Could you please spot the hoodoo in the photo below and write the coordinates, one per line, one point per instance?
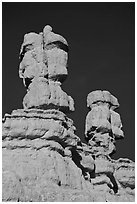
(43, 159)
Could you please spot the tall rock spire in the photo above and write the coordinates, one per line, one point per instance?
(43, 67)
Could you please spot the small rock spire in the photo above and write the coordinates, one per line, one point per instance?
(103, 124)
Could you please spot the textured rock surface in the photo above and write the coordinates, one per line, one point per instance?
(103, 127)
(44, 94)
(43, 67)
(103, 124)
(34, 124)
(102, 143)
(95, 97)
(43, 159)
(51, 169)
(125, 173)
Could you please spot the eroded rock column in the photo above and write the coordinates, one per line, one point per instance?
(112, 178)
(43, 67)
(103, 124)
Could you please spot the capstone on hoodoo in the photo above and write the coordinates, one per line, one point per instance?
(43, 158)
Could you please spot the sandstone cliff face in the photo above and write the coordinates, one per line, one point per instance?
(43, 158)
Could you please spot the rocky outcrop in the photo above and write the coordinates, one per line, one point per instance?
(43, 158)
(40, 124)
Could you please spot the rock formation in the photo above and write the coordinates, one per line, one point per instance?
(43, 68)
(43, 158)
(103, 128)
(103, 124)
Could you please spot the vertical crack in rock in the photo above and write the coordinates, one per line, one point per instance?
(43, 158)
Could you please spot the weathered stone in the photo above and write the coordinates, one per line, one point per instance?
(32, 63)
(116, 125)
(28, 170)
(57, 63)
(88, 162)
(101, 180)
(102, 143)
(23, 126)
(43, 68)
(103, 125)
(50, 37)
(43, 159)
(125, 173)
(44, 94)
(98, 96)
(97, 120)
(103, 164)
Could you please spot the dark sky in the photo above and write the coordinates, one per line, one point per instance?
(101, 56)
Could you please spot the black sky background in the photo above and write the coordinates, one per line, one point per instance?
(101, 56)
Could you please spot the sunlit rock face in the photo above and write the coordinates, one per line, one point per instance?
(43, 67)
(43, 158)
(103, 126)
(102, 118)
